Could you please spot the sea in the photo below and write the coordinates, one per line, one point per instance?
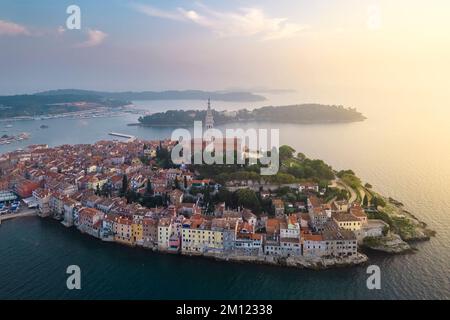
(402, 149)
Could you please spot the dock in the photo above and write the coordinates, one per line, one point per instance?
(129, 137)
(26, 213)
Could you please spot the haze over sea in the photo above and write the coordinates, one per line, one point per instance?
(402, 149)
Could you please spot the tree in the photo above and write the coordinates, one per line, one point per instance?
(124, 189)
(106, 190)
(301, 156)
(374, 202)
(97, 190)
(286, 152)
(149, 188)
(185, 182)
(177, 183)
(365, 201)
(248, 199)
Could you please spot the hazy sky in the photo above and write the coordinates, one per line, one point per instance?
(321, 47)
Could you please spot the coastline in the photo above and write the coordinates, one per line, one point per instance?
(185, 125)
(298, 262)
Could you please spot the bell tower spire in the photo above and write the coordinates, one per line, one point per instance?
(209, 120)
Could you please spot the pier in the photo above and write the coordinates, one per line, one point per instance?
(25, 213)
(129, 137)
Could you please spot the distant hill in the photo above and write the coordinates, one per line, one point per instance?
(36, 105)
(296, 114)
(163, 95)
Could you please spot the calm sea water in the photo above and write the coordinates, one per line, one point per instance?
(405, 155)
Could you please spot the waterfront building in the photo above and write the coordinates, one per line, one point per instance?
(137, 230)
(339, 242)
(150, 232)
(90, 221)
(272, 237)
(42, 198)
(198, 236)
(228, 229)
(247, 242)
(107, 228)
(164, 232)
(290, 247)
(56, 204)
(314, 245)
(123, 232)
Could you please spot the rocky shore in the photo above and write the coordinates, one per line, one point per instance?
(313, 263)
(405, 229)
(392, 243)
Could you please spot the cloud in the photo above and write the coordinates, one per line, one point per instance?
(60, 30)
(245, 22)
(155, 12)
(95, 38)
(12, 29)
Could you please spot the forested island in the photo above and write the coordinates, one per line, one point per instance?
(296, 114)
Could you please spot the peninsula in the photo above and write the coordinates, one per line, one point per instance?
(307, 216)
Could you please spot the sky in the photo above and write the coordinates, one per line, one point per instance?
(322, 49)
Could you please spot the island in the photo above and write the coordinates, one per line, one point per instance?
(294, 114)
(129, 192)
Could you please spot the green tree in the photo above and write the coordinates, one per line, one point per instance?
(149, 188)
(248, 199)
(124, 189)
(365, 201)
(286, 152)
(374, 202)
(301, 156)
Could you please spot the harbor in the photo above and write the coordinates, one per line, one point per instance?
(8, 139)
